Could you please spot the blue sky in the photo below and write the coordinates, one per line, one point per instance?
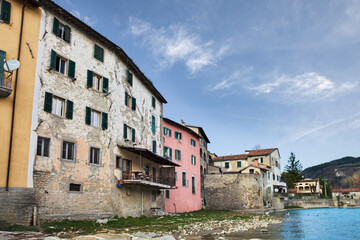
(271, 73)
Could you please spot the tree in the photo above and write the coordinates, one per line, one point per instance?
(292, 172)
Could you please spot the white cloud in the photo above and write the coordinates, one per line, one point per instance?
(235, 78)
(177, 44)
(91, 21)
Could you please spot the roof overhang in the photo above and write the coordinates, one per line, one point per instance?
(148, 183)
(149, 155)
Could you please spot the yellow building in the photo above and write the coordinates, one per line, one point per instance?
(19, 29)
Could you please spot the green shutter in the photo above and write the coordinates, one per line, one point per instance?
(69, 109)
(105, 85)
(2, 61)
(169, 132)
(48, 102)
(53, 59)
(99, 53)
(130, 77)
(170, 151)
(5, 11)
(126, 99)
(71, 71)
(56, 26)
(153, 101)
(154, 147)
(89, 82)
(67, 33)
(133, 135)
(104, 123)
(133, 104)
(88, 116)
(125, 131)
(239, 164)
(153, 124)
(226, 165)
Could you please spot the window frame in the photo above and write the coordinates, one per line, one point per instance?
(177, 133)
(75, 183)
(92, 120)
(238, 163)
(55, 101)
(167, 132)
(62, 149)
(118, 157)
(43, 146)
(90, 156)
(167, 194)
(192, 142)
(178, 153)
(193, 183)
(183, 178)
(193, 160)
(169, 150)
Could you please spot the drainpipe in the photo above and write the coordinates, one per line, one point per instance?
(14, 99)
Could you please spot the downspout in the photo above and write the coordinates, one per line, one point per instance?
(14, 99)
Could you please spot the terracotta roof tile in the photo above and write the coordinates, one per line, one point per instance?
(260, 152)
(231, 157)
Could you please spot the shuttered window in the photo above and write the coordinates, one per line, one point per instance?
(2, 61)
(133, 104)
(99, 53)
(58, 106)
(105, 85)
(227, 165)
(104, 121)
(153, 124)
(48, 102)
(125, 131)
(88, 115)
(239, 164)
(154, 147)
(129, 77)
(133, 135)
(153, 102)
(5, 11)
(69, 109)
(61, 30)
(71, 71)
(60, 64)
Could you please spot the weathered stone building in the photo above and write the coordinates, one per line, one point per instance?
(99, 132)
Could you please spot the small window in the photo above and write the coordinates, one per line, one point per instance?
(95, 118)
(130, 101)
(167, 131)
(153, 102)
(129, 133)
(178, 135)
(94, 155)
(193, 184)
(99, 53)
(261, 160)
(184, 179)
(193, 160)
(129, 77)
(58, 106)
(43, 147)
(274, 177)
(61, 64)
(193, 143)
(239, 164)
(153, 193)
(153, 126)
(227, 165)
(168, 153)
(74, 187)
(167, 194)
(5, 11)
(251, 171)
(177, 154)
(154, 146)
(68, 151)
(61, 30)
(97, 82)
(118, 162)
(268, 175)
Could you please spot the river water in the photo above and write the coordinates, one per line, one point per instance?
(325, 223)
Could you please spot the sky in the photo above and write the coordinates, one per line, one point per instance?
(275, 74)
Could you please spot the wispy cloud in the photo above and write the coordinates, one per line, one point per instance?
(177, 44)
(235, 78)
(349, 24)
(91, 21)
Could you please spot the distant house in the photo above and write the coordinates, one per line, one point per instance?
(308, 186)
(346, 192)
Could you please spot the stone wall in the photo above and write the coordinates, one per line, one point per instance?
(16, 206)
(314, 203)
(233, 191)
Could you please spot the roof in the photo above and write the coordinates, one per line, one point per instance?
(260, 152)
(230, 157)
(202, 132)
(150, 155)
(181, 126)
(53, 7)
(264, 169)
(309, 180)
(346, 190)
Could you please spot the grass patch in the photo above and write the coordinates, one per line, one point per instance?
(85, 226)
(19, 228)
(292, 207)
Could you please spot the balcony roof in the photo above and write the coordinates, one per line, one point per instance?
(148, 183)
(149, 155)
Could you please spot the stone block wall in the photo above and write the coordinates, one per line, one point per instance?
(16, 206)
(233, 191)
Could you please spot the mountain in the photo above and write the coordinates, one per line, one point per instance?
(341, 173)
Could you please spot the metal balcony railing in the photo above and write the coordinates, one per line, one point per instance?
(140, 175)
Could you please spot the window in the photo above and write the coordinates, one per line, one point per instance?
(184, 179)
(61, 30)
(62, 65)
(193, 184)
(154, 146)
(74, 187)
(227, 165)
(178, 135)
(43, 147)
(56, 105)
(167, 131)
(5, 11)
(129, 77)
(68, 151)
(251, 171)
(153, 194)
(168, 153)
(127, 131)
(130, 101)
(238, 164)
(97, 82)
(118, 162)
(261, 160)
(94, 117)
(2, 61)
(153, 102)
(167, 194)
(153, 123)
(99, 53)
(268, 175)
(193, 143)
(94, 155)
(193, 160)
(177, 154)
(273, 176)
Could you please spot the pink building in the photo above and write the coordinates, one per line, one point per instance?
(182, 145)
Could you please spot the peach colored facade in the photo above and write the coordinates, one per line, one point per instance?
(187, 196)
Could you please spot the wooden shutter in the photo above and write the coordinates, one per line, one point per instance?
(170, 153)
(125, 131)
(71, 71)
(169, 132)
(67, 33)
(89, 82)
(2, 61)
(133, 135)
(88, 116)
(5, 11)
(133, 104)
(99, 53)
(48, 102)
(104, 123)
(53, 59)
(69, 109)
(130, 77)
(126, 99)
(56, 26)
(153, 124)
(154, 147)
(105, 85)
(153, 102)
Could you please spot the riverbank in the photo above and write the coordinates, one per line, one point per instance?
(179, 226)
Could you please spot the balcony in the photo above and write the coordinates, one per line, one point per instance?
(5, 84)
